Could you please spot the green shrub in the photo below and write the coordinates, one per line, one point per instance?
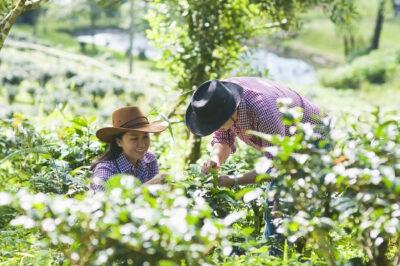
(347, 182)
(61, 86)
(56, 161)
(129, 224)
(377, 68)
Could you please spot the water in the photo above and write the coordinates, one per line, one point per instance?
(281, 69)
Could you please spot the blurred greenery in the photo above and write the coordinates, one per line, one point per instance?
(339, 195)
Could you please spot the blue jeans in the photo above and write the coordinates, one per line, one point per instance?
(269, 226)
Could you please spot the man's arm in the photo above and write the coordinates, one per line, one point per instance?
(223, 144)
(220, 153)
(247, 178)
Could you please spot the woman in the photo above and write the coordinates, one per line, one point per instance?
(127, 152)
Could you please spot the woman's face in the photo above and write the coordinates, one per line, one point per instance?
(134, 145)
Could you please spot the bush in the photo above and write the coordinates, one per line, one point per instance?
(377, 68)
(60, 86)
(129, 223)
(346, 181)
(54, 162)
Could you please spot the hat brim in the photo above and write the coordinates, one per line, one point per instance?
(107, 134)
(204, 129)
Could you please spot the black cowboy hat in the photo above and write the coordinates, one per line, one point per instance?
(212, 104)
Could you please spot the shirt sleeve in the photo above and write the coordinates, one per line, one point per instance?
(102, 172)
(152, 166)
(225, 137)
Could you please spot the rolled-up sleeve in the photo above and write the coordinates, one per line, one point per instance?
(225, 137)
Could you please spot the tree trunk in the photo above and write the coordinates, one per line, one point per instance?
(346, 46)
(378, 26)
(195, 151)
(9, 20)
(349, 44)
(397, 256)
(381, 259)
(92, 15)
(131, 28)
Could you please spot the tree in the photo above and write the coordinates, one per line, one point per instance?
(378, 26)
(203, 40)
(131, 32)
(9, 12)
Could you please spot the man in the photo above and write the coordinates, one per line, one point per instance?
(229, 108)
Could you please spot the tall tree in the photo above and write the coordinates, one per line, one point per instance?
(131, 32)
(202, 40)
(9, 12)
(378, 26)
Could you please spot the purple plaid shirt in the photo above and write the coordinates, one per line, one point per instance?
(146, 169)
(258, 111)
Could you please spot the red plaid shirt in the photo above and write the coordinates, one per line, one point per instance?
(258, 111)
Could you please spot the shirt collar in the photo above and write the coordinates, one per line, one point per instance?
(126, 166)
(241, 113)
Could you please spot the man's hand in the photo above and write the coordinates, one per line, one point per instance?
(207, 166)
(226, 181)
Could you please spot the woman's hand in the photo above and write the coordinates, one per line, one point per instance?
(158, 179)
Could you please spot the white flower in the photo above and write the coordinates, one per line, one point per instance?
(23, 220)
(301, 158)
(177, 222)
(252, 195)
(263, 165)
(233, 217)
(5, 198)
(272, 150)
(48, 225)
(330, 178)
(209, 230)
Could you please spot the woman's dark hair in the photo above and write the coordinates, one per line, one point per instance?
(112, 152)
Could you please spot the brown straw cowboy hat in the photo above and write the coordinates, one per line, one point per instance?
(129, 119)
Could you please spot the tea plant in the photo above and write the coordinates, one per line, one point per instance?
(129, 224)
(344, 182)
(44, 161)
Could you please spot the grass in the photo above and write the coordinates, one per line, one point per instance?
(320, 36)
(52, 35)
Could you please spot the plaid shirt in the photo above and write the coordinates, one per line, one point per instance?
(146, 169)
(258, 111)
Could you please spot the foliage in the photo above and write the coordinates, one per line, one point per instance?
(25, 80)
(46, 162)
(349, 177)
(338, 192)
(10, 10)
(204, 40)
(128, 223)
(338, 195)
(377, 68)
